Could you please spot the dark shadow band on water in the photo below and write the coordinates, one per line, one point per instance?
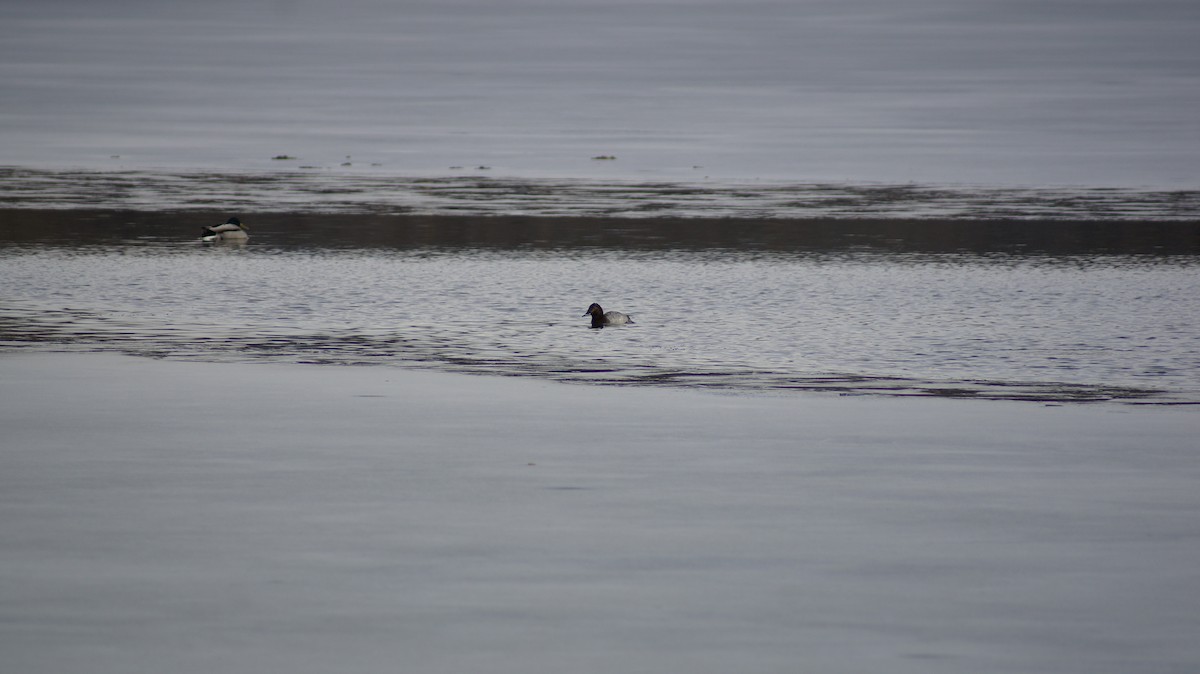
(1022, 237)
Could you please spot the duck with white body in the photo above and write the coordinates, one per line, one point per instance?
(231, 230)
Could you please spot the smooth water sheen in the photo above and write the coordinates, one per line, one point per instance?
(926, 91)
(861, 320)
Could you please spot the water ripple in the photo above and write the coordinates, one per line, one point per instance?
(330, 191)
(1040, 329)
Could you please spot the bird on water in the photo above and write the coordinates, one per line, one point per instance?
(231, 230)
(601, 318)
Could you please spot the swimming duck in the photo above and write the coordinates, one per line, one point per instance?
(600, 318)
(232, 230)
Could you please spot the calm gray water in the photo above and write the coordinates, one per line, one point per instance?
(899, 308)
(991, 92)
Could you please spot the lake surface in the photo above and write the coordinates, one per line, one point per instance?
(840, 216)
(1049, 311)
(975, 199)
(926, 91)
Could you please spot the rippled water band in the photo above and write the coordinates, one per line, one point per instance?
(72, 330)
(338, 190)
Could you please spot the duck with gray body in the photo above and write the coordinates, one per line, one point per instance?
(231, 230)
(601, 318)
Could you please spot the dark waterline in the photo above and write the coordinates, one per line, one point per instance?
(1042, 238)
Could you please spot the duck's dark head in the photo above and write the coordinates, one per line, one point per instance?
(234, 221)
(597, 315)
